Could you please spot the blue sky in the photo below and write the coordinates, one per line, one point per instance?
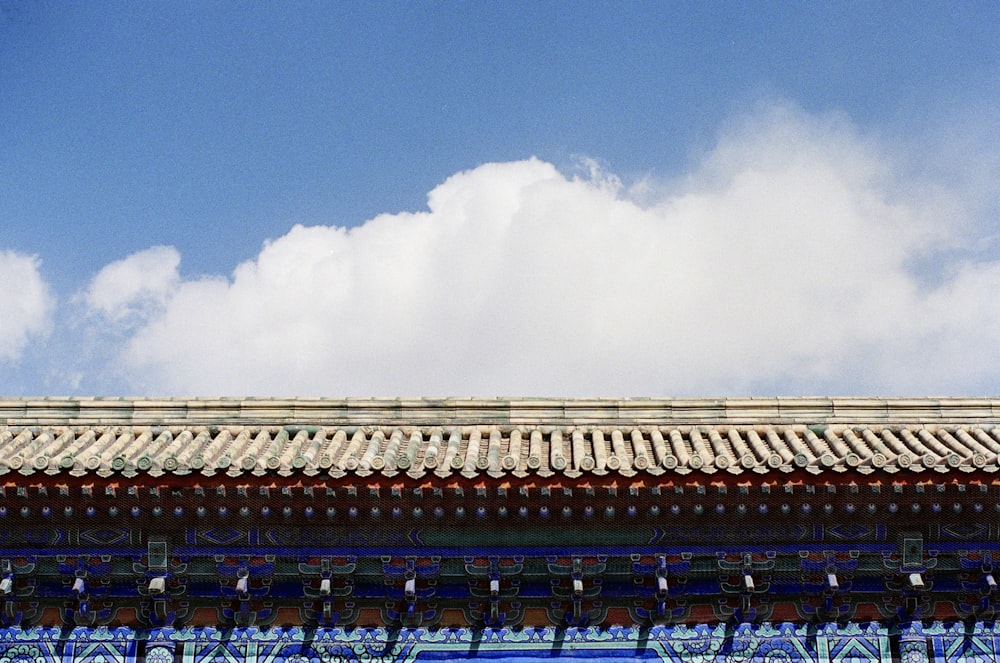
(156, 157)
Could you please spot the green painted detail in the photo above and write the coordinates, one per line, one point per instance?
(157, 554)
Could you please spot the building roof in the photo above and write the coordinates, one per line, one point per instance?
(497, 438)
(486, 512)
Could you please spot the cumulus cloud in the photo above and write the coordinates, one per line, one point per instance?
(26, 303)
(782, 263)
(135, 287)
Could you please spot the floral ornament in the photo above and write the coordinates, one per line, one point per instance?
(159, 655)
(297, 658)
(372, 653)
(775, 650)
(913, 652)
(305, 658)
(22, 654)
(701, 647)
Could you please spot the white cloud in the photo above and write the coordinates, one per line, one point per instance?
(135, 287)
(781, 263)
(25, 303)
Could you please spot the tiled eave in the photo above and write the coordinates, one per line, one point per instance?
(547, 453)
(497, 439)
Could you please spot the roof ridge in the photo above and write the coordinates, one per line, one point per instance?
(511, 411)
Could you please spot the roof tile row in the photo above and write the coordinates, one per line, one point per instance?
(495, 450)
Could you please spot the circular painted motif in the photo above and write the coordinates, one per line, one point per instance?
(159, 655)
(22, 653)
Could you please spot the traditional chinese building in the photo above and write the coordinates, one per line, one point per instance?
(664, 529)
